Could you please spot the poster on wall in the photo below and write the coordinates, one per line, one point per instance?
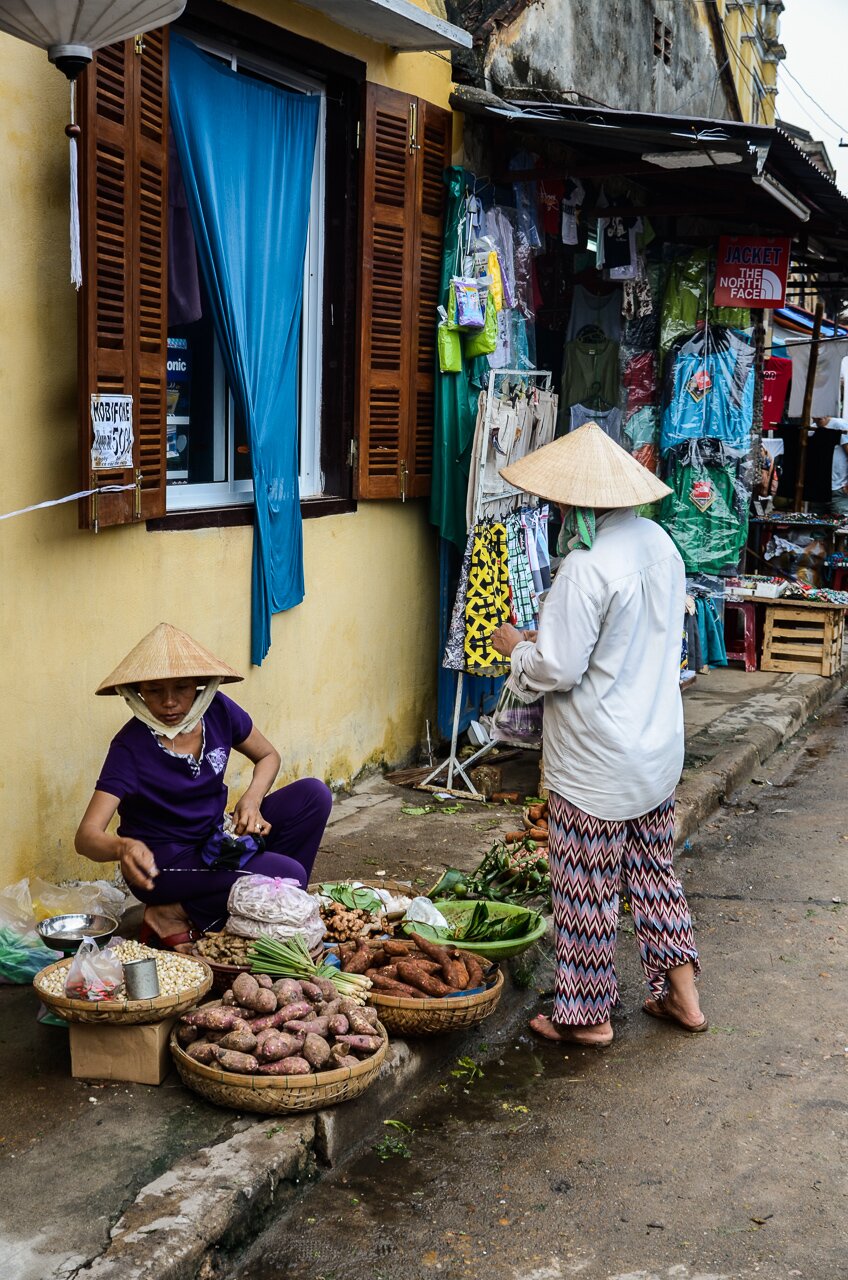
(112, 432)
(751, 271)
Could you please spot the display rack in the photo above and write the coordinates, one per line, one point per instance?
(452, 767)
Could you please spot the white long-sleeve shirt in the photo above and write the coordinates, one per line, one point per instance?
(607, 658)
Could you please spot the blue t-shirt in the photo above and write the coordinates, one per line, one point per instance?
(709, 392)
(173, 802)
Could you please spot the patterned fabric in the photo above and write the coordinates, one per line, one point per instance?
(578, 530)
(487, 601)
(525, 603)
(591, 860)
(453, 658)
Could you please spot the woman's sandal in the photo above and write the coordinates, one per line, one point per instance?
(569, 1039)
(148, 937)
(654, 1009)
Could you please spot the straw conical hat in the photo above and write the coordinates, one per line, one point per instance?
(586, 469)
(167, 653)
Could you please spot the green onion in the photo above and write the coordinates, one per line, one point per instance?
(291, 959)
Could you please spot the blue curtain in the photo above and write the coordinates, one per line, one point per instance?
(246, 149)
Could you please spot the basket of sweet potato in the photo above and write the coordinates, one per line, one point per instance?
(423, 988)
(277, 1047)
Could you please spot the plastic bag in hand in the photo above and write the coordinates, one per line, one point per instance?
(94, 974)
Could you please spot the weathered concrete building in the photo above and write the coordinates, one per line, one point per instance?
(707, 58)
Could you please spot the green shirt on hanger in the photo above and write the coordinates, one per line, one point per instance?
(590, 373)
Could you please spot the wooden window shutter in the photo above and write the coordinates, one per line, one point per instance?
(123, 300)
(434, 138)
(406, 147)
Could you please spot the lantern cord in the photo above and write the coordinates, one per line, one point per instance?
(76, 253)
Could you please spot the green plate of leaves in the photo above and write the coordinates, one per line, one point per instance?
(495, 930)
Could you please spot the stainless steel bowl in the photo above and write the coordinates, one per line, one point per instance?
(65, 933)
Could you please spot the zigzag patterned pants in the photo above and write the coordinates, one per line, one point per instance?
(590, 861)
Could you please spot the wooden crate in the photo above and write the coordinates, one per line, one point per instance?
(804, 638)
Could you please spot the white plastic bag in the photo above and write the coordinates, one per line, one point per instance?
(277, 908)
(422, 911)
(94, 974)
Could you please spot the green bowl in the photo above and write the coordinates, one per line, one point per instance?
(454, 911)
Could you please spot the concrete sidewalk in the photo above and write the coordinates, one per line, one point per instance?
(114, 1180)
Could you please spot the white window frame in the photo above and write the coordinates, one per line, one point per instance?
(182, 496)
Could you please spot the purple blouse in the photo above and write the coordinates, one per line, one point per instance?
(167, 800)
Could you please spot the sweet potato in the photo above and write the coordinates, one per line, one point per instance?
(338, 1025)
(328, 988)
(217, 1019)
(316, 1051)
(228, 998)
(514, 837)
(378, 958)
(188, 1035)
(358, 1025)
(538, 833)
(294, 1066)
(299, 1009)
(361, 1044)
(203, 1052)
(329, 1008)
(312, 992)
(229, 1060)
(348, 1061)
(426, 982)
(265, 1001)
(535, 812)
(318, 1026)
(359, 961)
(271, 1021)
(367, 1012)
(265, 980)
(288, 991)
(241, 1041)
(245, 988)
(280, 1044)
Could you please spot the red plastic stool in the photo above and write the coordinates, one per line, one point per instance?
(839, 578)
(733, 609)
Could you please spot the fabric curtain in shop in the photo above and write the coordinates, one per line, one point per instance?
(456, 397)
(828, 372)
(246, 149)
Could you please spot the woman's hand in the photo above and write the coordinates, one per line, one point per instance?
(505, 638)
(247, 820)
(137, 863)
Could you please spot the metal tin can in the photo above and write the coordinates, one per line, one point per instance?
(141, 979)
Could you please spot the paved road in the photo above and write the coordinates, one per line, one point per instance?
(714, 1157)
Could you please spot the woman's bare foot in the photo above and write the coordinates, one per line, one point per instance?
(167, 919)
(596, 1037)
(680, 1003)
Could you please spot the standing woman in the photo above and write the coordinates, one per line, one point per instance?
(164, 776)
(607, 659)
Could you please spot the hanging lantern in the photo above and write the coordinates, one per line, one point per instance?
(71, 31)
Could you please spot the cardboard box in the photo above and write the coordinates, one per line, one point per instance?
(137, 1054)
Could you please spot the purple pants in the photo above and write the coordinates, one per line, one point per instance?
(298, 815)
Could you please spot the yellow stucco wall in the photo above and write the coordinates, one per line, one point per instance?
(351, 673)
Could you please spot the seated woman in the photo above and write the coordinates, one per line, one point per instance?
(164, 775)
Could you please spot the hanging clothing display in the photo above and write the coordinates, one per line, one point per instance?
(610, 420)
(595, 310)
(709, 392)
(453, 658)
(525, 601)
(590, 373)
(535, 521)
(487, 599)
(574, 193)
(687, 301)
(707, 513)
(777, 374)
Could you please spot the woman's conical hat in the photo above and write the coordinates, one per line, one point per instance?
(586, 469)
(167, 653)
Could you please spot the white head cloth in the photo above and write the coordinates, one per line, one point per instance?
(142, 712)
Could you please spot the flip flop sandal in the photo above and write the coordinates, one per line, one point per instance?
(570, 1040)
(654, 1009)
(149, 938)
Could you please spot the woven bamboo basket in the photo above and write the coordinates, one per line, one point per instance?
(276, 1095)
(433, 1017)
(121, 1013)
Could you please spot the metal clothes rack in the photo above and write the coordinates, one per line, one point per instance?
(452, 766)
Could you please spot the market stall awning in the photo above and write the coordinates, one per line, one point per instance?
(397, 23)
(676, 155)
